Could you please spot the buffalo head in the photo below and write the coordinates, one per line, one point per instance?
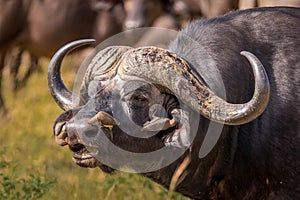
(141, 100)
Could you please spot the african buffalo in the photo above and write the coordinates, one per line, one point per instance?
(246, 4)
(145, 13)
(239, 72)
(213, 8)
(205, 8)
(41, 27)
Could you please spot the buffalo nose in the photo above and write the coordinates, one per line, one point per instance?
(77, 129)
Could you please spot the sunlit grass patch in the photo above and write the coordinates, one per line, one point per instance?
(17, 183)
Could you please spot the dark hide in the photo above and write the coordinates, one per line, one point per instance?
(257, 160)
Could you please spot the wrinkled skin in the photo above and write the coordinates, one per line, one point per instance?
(132, 103)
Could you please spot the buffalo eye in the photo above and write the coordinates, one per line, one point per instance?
(139, 100)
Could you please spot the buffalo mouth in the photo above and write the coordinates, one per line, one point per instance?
(82, 154)
(83, 157)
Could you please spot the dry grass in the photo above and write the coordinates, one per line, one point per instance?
(26, 138)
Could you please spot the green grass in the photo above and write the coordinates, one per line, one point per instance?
(40, 169)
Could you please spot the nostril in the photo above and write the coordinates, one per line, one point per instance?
(57, 129)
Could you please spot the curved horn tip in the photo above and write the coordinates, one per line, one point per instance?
(60, 93)
(261, 94)
(245, 53)
(248, 55)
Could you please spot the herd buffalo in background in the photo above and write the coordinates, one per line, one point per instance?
(41, 27)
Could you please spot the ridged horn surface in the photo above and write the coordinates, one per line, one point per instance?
(165, 68)
(101, 68)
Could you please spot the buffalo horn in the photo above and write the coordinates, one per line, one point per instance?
(63, 97)
(165, 68)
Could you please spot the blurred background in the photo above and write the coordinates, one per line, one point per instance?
(32, 166)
